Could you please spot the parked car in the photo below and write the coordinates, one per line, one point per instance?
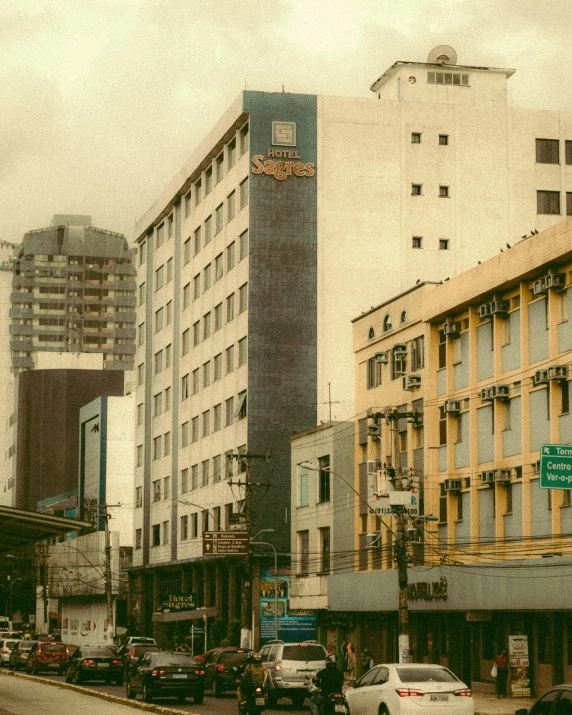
(6, 645)
(136, 640)
(407, 689)
(291, 667)
(95, 662)
(19, 654)
(131, 657)
(47, 656)
(556, 701)
(222, 667)
(167, 674)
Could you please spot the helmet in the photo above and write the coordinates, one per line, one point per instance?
(257, 658)
(332, 658)
(250, 656)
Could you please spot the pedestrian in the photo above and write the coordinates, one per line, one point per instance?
(501, 665)
(366, 659)
(349, 667)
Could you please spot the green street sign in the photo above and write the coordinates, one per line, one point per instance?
(556, 466)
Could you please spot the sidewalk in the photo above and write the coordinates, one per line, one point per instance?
(489, 704)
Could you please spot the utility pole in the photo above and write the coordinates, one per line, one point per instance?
(106, 516)
(246, 601)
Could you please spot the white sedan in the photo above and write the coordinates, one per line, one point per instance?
(409, 689)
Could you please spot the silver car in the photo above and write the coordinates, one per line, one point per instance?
(6, 646)
(291, 667)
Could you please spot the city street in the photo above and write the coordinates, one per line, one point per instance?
(21, 696)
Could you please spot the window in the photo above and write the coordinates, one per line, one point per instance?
(230, 308)
(206, 325)
(324, 479)
(159, 320)
(167, 399)
(207, 374)
(159, 278)
(218, 267)
(303, 488)
(442, 426)
(459, 507)
(417, 353)
(138, 497)
(197, 246)
(157, 404)
(416, 138)
(303, 552)
(219, 219)
(160, 235)
(138, 538)
(548, 202)
(454, 78)
(195, 429)
(187, 251)
(186, 342)
(219, 167)
(168, 355)
(140, 373)
(218, 317)
(140, 413)
(194, 526)
(398, 364)
(195, 476)
(324, 549)
(169, 270)
(231, 153)
(139, 455)
(141, 294)
(442, 350)
(169, 313)
(229, 404)
(243, 189)
(231, 206)
(156, 535)
(243, 298)
(217, 469)
(140, 333)
(403, 317)
(196, 381)
(443, 244)
(564, 397)
(184, 535)
(156, 490)
(206, 521)
(443, 192)
(240, 413)
(416, 189)
(185, 387)
(218, 366)
(170, 226)
(166, 487)
(207, 277)
(244, 140)
(387, 324)
(167, 444)
(187, 204)
(442, 504)
(242, 352)
(208, 180)
(217, 417)
(547, 151)
(443, 139)
(208, 229)
(185, 434)
(229, 359)
(373, 373)
(416, 242)
(230, 256)
(184, 481)
(165, 532)
(196, 333)
(142, 252)
(568, 203)
(206, 423)
(243, 245)
(205, 473)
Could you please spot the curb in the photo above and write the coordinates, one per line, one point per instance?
(148, 707)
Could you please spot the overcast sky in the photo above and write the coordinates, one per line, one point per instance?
(102, 101)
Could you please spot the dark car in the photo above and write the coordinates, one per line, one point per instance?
(556, 701)
(47, 656)
(19, 654)
(131, 656)
(222, 668)
(167, 674)
(95, 662)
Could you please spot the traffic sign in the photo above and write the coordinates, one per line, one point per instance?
(226, 542)
(556, 466)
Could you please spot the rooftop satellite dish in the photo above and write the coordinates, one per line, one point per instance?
(442, 55)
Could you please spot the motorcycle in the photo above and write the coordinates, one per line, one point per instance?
(333, 704)
(255, 701)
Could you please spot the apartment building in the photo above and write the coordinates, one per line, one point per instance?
(255, 258)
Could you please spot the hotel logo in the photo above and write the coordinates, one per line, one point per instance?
(283, 133)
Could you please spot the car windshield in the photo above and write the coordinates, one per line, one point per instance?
(233, 657)
(26, 645)
(102, 652)
(172, 659)
(8, 644)
(142, 641)
(426, 675)
(303, 652)
(53, 648)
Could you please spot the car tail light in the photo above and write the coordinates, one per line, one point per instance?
(409, 693)
(89, 661)
(117, 662)
(278, 666)
(220, 667)
(200, 672)
(258, 690)
(465, 692)
(4, 650)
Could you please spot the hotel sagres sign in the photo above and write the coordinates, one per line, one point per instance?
(289, 163)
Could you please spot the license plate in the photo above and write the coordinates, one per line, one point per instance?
(103, 665)
(259, 701)
(440, 698)
(180, 675)
(339, 708)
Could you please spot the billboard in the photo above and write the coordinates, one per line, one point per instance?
(293, 626)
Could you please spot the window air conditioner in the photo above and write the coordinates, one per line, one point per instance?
(558, 372)
(539, 287)
(500, 307)
(555, 281)
(485, 310)
(410, 382)
(453, 329)
(487, 477)
(452, 485)
(500, 392)
(502, 475)
(540, 377)
(452, 407)
(400, 348)
(373, 466)
(373, 540)
(486, 394)
(381, 358)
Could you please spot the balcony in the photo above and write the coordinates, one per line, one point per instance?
(21, 329)
(126, 318)
(16, 313)
(125, 333)
(127, 300)
(125, 269)
(19, 296)
(122, 365)
(124, 349)
(17, 345)
(23, 363)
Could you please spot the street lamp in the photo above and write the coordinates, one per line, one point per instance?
(267, 543)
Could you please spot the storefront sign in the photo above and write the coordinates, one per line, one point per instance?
(293, 626)
(176, 602)
(293, 166)
(427, 591)
(519, 666)
(479, 616)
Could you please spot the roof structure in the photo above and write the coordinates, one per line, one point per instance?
(19, 527)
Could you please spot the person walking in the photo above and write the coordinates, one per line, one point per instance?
(349, 665)
(366, 660)
(501, 664)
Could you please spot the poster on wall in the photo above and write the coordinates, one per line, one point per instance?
(519, 666)
(292, 626)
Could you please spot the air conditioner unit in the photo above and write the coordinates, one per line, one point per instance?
(486, 394)
(487, 477)
(540, 377)
(536, 467)
(374, 430)
(373, 466)
(500, 307)
(502, 475)
(373, 540)
(500, 392)
(416, 420)
(410, 382)
(453, 329)
(413, 535)
(400, 348)
(452, 485)
(381, 358)
(452, 407)
(539, 287)
(485, 310)
(558, 372)
(555, 281)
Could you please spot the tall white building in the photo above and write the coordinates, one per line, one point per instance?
(295, 213)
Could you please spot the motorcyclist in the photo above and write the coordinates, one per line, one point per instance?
(329, 680)
(255, 671)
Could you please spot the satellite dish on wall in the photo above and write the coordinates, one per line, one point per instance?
(442, 55)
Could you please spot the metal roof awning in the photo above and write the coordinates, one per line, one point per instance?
(19, 527)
